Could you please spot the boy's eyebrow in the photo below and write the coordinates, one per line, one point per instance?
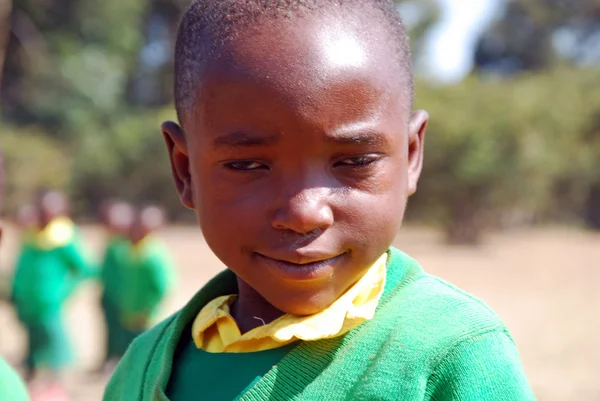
(366, 137)
(243, 139)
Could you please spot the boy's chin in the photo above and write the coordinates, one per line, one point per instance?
(304, 304)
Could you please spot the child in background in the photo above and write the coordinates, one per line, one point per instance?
(298, 147)
(50, 267)
(27, 220)
(117, 218)
(11, 386)
(147, 275)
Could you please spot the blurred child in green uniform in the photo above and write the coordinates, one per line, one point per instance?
(26, 220)
(147, 275)
(117, 218)
(11, 386)
(49, 268)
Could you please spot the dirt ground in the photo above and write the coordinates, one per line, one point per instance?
(543, 283)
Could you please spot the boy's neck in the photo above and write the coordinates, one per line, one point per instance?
(251, 310)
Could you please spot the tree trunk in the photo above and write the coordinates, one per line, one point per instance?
(593, 207)
(5, 13)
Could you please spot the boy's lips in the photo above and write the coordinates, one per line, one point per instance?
(306, 267)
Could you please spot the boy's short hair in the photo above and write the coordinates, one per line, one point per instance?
(208, 25)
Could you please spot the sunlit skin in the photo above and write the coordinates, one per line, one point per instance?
(117, 218)
(298, 160)
(52, 205)
(145, 222)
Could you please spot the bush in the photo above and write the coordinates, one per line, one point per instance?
(496, 147)
(32, 161)
(127, 160)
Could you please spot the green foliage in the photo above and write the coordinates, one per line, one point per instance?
(533, 34)
(498, 146)
(127, 160)
(32, 161)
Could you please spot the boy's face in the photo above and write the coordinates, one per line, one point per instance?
(299, 157)
(119, 218)
(137, 231)
(51, 206)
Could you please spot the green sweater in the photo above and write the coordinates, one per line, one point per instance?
(115, 257)
(146, 277)
(44, 279)
(196, 371)
(427, 341)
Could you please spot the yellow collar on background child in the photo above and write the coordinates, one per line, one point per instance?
(59, 232)
(215, 330)
(142, 245)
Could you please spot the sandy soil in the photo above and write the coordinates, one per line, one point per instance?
(543, 283)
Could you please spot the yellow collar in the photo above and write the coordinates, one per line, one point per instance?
(139, 249)
(59, 232)
(215, 330)
(141, 244)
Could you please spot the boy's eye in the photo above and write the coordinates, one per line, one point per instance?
(246, 165)
(357, 161)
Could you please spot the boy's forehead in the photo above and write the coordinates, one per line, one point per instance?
(310, 55)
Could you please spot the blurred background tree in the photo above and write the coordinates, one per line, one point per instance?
(538, 35)
(85, 85)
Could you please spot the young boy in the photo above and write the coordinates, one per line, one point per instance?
(117, 218)
(11, 386)
(146, 275)
(50, 267)
(297, 150)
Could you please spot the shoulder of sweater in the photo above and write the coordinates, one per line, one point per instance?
(438, 316)
(140, 366)
(441, 289)
(432, 296)
(146, 343)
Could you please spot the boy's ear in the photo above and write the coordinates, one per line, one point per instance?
(180, 162)
(416, 137)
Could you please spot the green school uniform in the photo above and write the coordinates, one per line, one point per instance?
(199, 372)
(115, 257)
(45, 276)
(146, 277)
(427, 341)
(11, 386)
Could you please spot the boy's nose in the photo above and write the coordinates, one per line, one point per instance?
(304, 212)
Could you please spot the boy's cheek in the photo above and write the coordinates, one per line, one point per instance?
(373, 221)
